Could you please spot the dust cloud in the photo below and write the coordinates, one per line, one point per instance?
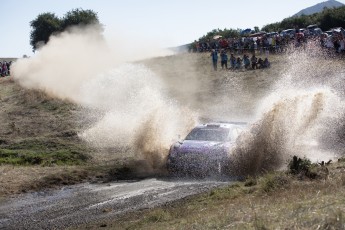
(125, 104)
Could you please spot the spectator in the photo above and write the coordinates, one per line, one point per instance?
(224, 59)
(233, 61)
(342, 45)
(246, 61)
(260, 63)
(238, 63)
(9, 67)
(214, 56)
(266, 63)
(329, 43)
(4, 69)
(254, 61)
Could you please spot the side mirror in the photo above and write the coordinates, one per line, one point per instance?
(179, 139)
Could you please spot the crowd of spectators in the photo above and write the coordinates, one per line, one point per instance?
(274, 42)
(238, 63)
(335, 41)
(5, 68)
(244, 44)
(266, 43)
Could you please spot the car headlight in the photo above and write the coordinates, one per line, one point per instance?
(174, 149)
(221, 152)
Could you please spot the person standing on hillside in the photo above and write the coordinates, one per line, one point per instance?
(246, 61)
(4, 69)
(9, 67)
(232, 61)
(214, 55)
(224, 59)
(254, 61)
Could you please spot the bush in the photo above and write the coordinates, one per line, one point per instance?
(304, 168)
(298, 165)
(271, 182)
(250, 181)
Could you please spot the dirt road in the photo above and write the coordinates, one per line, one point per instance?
(86, 203)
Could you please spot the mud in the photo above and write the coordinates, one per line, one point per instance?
(89, 203)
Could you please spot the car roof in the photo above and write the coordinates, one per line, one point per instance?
(311, 26)
(221, 124)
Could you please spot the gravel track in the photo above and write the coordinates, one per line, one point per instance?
(87, 203)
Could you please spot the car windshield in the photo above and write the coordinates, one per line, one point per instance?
(205, 134)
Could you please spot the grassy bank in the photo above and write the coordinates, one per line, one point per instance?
(279, 200)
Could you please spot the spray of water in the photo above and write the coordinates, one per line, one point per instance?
(302, 116)
(135, 113)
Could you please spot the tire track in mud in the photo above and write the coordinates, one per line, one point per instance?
(87, 203)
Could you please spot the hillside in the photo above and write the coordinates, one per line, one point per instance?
(319, 7)
(35, 124)
(39, 142)
(38, 139)
(40, 147)
(40, 133)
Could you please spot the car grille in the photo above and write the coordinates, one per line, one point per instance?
(197, 159)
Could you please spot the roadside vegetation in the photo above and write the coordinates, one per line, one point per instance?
(47, 24)
(288, 199)
(327, 19)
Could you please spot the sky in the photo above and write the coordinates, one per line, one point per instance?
(167, 23)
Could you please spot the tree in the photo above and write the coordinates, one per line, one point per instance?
(79, 17)
(43, 26)
(47, 24)
(328, 18)
(273, 27)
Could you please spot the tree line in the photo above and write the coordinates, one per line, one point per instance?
(47, 24)
(328, 18)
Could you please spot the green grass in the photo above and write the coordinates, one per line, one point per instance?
(274, 181)
(43, 152)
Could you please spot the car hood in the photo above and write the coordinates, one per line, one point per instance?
(202, 146)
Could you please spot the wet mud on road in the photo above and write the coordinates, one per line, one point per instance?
(87, 203)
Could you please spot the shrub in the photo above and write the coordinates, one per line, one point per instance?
(298, 165)
(271, 182)
(250, 181)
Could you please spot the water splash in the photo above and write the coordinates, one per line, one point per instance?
(134, 114)
(303, 116)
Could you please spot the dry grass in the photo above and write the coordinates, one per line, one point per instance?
(14, 179)
(289, 203)
(21, 179)
(36, 131)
